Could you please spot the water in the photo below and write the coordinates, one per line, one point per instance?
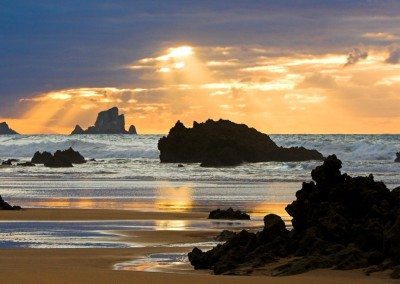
(127, 173)
(107, 234)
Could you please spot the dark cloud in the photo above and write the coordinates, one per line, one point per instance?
(356, 55)
(394, 56)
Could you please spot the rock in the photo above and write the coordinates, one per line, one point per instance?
(397, 160)
(58, 162)
(224, 143)
(6, 130)
(77, 130)
(132, 130)
(338, 221)
(107, 122)
(6, 163)
(73, 156)
(41, 158)
(60, 159)
(180, 166)
(229, 214)
(225, 235)
(5, 206)
(26, 164)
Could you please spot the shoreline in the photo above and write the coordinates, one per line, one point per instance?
(95, 265)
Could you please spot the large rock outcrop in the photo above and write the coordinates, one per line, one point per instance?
(224, 143)
(6, 130)
(107, 122)
(339, 222)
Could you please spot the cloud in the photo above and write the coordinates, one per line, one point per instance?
(380, 36)
(394, 56)
(355, 55)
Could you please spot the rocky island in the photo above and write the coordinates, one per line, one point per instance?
(6, 130)
(107, 122)
(225, 143)
(339, 222)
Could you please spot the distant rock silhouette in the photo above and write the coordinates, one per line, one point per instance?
(224, 143)
(5, 129)
(339, 222)
(107, 122)
(60, 159)
(397, 160)
(5, 206)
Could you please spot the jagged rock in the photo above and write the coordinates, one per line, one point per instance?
(6, 130)
(229, 214)
(224, 143)
(41, 158)
(5, 206)
(338, 221)
(26, 164)
(73, 156)
(397, 160)
(60, 158)
(77, 130)
(107, 122)
(225, 235)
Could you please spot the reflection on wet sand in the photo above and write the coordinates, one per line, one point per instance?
(177, 199)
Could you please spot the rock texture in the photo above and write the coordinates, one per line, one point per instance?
(339, 222)
(5, 129)
(107, 122)
(60, 159)
(397, 160)
(224, 143)
(229, 214)
(5, 206)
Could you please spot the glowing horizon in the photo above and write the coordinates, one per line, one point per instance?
(301, 93)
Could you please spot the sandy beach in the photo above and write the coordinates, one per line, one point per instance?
(96, 265)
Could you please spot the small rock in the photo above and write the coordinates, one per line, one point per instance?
(229, 214)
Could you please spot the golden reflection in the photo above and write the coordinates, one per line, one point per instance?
(175, 199)
(171, 225)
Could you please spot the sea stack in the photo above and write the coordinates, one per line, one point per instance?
(225, 143)
(107, 122)
(6, 130)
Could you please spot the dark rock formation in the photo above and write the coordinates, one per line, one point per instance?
(225, 235)
(339, 222)
(5, 206)
(229, 214)
(26, 164)
(397, 160)
(5, 129)
(41, 158)
(58, 162)
(224, 143)
(132, 130)
(107, 122)
(60, 158)
(73, 156)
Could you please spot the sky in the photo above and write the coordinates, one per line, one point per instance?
(278, 66)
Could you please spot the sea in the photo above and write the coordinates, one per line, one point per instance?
(126, 174)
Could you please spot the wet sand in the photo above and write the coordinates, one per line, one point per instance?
(95, 265)
(45, 214)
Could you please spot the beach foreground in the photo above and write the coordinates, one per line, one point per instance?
(95, 265)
